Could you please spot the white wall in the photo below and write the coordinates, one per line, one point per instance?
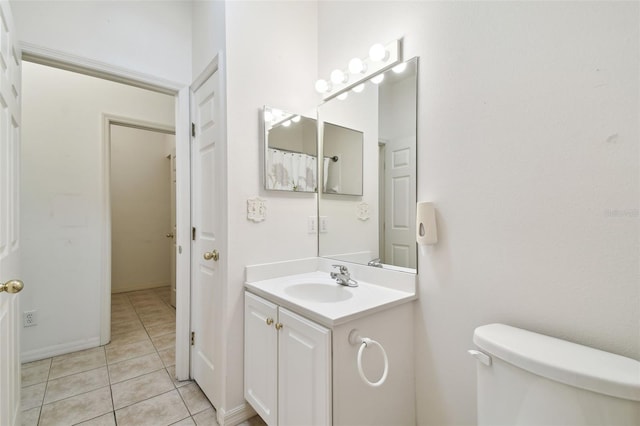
(271, 60)
(528, 145)
(208, 32)
(140, 209)
(62, 195)
(150, 37)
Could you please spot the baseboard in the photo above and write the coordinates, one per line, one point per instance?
(139, 287)
(235, 416)
(55, 350)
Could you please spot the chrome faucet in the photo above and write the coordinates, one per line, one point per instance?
(343, 277)
(375, 262)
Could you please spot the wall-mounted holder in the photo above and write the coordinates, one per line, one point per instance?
(256, 209)
(363, 211)
(426, 229)
(365, 342)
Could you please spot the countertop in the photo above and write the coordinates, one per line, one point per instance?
(349, 302)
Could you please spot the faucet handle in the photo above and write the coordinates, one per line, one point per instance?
(343, 269)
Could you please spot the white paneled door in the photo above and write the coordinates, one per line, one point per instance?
(206, 286)
(400, 210)
(10, 74)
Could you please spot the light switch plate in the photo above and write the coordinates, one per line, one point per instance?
(312, 225)
(324, 224)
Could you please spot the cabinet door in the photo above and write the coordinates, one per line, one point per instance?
(260, 357)
(304, 371)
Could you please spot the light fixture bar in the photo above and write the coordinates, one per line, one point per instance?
(372, 68)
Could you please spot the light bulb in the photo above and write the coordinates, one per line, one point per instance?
(343, 96)
(323, 86)
(400, 68)
(286, 123)
(359, 88)
(339, 77)
(356, 66)
(268, 116)
(377, 79)
(378, 53)
(296, 119)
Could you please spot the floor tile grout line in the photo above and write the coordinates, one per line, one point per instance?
(46, 386)
(74, 374)
(109, 384)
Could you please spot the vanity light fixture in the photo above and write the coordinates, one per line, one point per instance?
(339, 77)
(323, 86)
(357, 66)
(377, 79)
(342, 96)
(381, 58)
(378, 53)
(286, 123)
(399, 68)
(359, 88)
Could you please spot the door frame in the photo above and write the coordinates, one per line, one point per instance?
(82, 65)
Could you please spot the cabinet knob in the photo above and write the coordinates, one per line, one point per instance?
(279, 326)
(269, 321)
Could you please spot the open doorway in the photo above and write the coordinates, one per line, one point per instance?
(65, 201)
(142, 204)
(142, 194)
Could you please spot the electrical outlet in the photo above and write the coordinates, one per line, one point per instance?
(29, 318)
(311, 225)
(324, 224)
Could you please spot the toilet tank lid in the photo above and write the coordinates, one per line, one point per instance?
(569, 363)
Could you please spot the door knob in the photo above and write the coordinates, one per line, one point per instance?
(169, 235)
(212, 255)
(13, 286)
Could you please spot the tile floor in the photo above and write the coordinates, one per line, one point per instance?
(127, 382)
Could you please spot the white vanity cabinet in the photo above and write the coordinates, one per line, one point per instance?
(287, 358)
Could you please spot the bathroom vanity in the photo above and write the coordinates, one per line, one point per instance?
(303, 338)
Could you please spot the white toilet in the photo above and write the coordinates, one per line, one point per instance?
(526, 378)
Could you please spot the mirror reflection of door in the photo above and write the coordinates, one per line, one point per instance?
(399, 188)
(386, 114)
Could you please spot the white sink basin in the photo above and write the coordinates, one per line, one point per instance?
(319, 292)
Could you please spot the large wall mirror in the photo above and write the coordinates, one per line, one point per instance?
(290, 151)
(375, 225)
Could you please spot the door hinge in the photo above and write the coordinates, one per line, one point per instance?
(193, 338)
(193, 233)
(193, 129)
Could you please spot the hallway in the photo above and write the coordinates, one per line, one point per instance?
(127, 382)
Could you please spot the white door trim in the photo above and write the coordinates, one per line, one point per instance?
(62, 60)
(57, 59)
(183, 234)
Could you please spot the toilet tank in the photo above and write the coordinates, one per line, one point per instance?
(526, 378)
